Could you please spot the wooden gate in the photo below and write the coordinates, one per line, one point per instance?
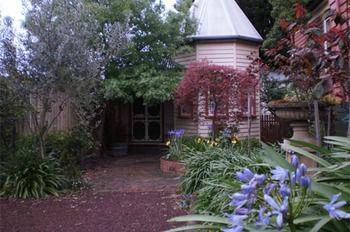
(273, 129)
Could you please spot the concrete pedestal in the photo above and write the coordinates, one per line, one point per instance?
(301, 133)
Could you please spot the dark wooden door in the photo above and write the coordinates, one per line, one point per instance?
(147, 122)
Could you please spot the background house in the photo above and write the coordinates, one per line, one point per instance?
(320, 18)
(225, 36)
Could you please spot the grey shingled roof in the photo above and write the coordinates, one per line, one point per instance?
(222, 20)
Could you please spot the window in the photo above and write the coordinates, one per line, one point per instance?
(185, 111)
(245, 102)
(326, 28)
(222, 108)
(326, 25)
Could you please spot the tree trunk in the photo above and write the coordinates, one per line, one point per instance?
(249, 122)
(329, 120)
(348, 134)
(42, 146)
(213, 126)
(317, 123)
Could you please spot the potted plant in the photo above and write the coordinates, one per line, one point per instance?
(172, 163)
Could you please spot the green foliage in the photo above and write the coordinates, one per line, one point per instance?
(330, 177)
(26, 175)
(147, 68)
(195, 143)
(259, 13)
(272, 89)
(209, 175)
(176, 146)
(70, 149)
(152, 85)
(281, 10)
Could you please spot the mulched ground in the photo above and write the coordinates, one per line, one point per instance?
(127, 194)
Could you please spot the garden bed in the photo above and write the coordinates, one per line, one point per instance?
(172, 167)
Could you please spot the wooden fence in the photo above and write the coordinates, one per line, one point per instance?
(273, 129)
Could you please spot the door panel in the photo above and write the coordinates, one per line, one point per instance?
(146, 122)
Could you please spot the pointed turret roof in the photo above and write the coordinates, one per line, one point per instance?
(222, 20)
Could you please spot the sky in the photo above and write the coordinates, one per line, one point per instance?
(14, 9)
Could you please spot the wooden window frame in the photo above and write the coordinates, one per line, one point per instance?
(253, 104)
(210, 116)
(183, 115)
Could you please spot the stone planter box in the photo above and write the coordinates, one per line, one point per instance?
(172, 167)
(292, 111)
(297, 114)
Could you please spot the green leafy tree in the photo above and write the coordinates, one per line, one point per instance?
(281, 10)
(60, 62)
(259, 13)
(146, 68)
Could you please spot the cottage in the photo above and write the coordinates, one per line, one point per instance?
(225, 36)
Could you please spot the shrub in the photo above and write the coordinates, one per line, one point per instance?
(201, 165)
(287, 198)
(26, 175)
(209, 176)
(196, 143)
(176, 148)
(69, 149)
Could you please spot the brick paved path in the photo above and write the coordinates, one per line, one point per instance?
(127, 194)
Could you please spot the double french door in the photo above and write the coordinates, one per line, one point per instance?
(146, 122)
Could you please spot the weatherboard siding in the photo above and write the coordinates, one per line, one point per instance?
(186, 58)
(235, 54)
(245, 53)
(190, 125)
(217, 53)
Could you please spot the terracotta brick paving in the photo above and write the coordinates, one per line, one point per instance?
(133, 173)
(127, 194)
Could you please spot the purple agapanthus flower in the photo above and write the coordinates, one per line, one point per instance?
(305, 181)
(292, 179)
(295, 161)
(284, 190)
(245, 176)
(280, 174)
(248, 188)
(263, 219)
(236, 222)
(242, 211)
(259, 179)
(279, 209)
(253, 183)
(238, 199)
(269, 188)
(301, 171)
(178, 133)
(332, 208)
(233, 229)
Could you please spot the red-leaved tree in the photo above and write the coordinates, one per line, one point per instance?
(216, 92)
(317, 67)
